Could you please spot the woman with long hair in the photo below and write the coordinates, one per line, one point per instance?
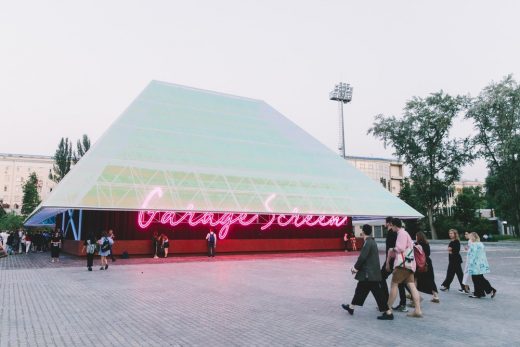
(426, 280)
(477, 267)
(104, 249)
(454, 261)
(465, 280)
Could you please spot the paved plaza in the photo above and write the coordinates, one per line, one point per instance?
(240, 300)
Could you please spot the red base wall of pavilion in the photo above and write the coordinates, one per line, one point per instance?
(185, 239)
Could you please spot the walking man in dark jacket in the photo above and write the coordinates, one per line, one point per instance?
(368, 273)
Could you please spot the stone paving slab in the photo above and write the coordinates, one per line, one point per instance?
(241, 300)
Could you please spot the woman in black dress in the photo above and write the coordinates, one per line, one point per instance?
(55, 247)
(455, 260)
(426, 280)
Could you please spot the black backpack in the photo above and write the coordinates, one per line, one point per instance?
(106, 245)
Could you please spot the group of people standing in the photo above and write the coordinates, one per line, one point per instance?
(411, 268)
(25, 242)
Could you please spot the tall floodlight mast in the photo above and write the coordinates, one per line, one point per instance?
(342, 93)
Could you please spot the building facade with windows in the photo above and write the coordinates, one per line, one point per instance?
(387, 172)
(14, 172)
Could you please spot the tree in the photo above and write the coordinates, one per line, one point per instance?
(421, 139)
(467, 203)
(31, 198)
(62, 160)
(82, 146)
(496, 116)
(2, 211)
(11, 221)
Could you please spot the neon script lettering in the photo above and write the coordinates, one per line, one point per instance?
(226, 220)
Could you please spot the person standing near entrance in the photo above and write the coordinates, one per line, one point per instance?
(368, 275)
(55, 247)
(211, 238)
(113, 237)
(155, 244)
(165, 244)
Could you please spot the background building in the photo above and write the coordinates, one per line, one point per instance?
(15, 170)
(388, 172)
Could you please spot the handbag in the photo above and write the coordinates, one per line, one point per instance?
(405, 259)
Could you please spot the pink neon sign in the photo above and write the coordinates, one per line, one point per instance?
(225, 220)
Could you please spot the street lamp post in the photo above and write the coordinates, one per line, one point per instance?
(342, 93)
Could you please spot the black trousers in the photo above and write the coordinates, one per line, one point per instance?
(362, 290)
(384, 287)
(453, 268)
(211, 249)
(90, 259)
(482, 285)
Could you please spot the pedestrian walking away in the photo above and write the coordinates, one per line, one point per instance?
(104, 249)
(478, 267)
(404, 268)
(90, 247)
(211, 239)
(368, 275)
(425, 281)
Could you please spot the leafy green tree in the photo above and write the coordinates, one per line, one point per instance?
(496, 116)
(421, 139)
(62, 160)
(31, 198)
(467, 203)
(82, 146)
(2, 211)
(11, 221)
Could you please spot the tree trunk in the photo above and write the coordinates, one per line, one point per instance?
(430, 220)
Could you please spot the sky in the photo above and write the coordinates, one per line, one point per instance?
(69, 68)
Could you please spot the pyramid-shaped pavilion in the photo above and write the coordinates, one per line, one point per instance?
(209, 151)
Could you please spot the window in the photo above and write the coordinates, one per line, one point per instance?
(5, 188)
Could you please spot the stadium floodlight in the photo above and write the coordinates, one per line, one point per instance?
(342, 93)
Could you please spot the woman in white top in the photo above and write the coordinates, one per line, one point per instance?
(104, 249)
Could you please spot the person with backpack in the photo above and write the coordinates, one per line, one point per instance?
(368, 275)
(90, 247)
(454, 262)
(104, 249)
(424, 276)
(391, 237)
(211, 238)
(404, 268)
